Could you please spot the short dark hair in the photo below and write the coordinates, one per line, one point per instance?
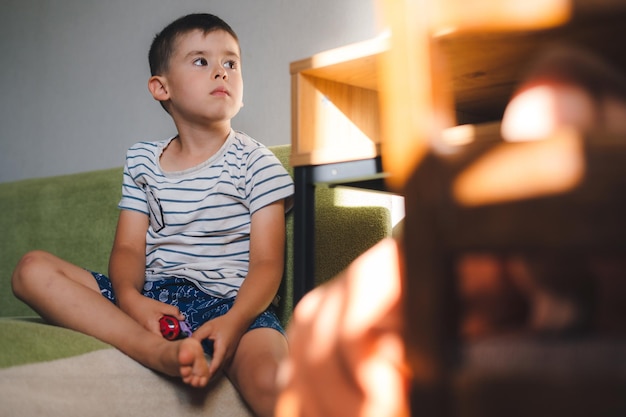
(163, 44)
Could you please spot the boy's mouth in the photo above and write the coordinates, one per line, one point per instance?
(220, 91)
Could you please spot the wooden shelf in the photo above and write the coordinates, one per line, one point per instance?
(335, 115)
(354, 64)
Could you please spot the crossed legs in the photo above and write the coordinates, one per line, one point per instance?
(68, 296)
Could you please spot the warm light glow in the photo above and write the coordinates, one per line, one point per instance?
(347, 335)
(384, 382)
(459, 135)
(322, 309)
(381, 371)
(288, 402)
(529, 116)
(349, 197)
(405, 84)
(368, 298)
(524, 170)
(408, 81)
(537, 112)
(324, 132)
(331, 123)
(452, 15)
(352, 52)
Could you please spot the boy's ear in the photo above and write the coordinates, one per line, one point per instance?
(158, 88)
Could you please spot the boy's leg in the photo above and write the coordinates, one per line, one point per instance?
(68, 296)
(254, 368)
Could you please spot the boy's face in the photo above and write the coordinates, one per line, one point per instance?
(203, 82)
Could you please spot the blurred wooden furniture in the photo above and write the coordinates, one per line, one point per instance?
(455, 60)
(488, 198)
(351, 125)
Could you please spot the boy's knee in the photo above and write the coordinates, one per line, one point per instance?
(27, 268)
(260, 381)
(264, 377)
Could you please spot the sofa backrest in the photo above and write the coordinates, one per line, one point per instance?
(74, 217)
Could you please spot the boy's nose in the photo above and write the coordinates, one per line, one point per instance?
(220, 73)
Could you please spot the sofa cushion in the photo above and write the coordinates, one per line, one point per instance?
(50, 371)
(29, 340)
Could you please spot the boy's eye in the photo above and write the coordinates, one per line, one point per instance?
(230, 64)
(201, 62)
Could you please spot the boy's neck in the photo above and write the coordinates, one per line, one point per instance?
(193, 146)
(194, 138)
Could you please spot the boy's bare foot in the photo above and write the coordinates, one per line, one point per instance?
(194, 368)
(184, 358)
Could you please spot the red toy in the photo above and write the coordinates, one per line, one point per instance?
(172, 328)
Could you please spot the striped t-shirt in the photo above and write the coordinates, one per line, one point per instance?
(200, 218)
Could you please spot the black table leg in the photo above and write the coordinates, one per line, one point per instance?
(304, 232)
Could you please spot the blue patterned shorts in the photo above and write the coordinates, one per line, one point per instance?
(197, 306)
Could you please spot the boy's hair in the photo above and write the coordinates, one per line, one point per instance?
(164, 42)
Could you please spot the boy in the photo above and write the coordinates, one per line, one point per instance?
(200, 234)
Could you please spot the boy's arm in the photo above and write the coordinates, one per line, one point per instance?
(127, 271)
(267, 246)
(127, 261)
(267, 259)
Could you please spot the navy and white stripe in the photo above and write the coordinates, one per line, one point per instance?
(200, 218)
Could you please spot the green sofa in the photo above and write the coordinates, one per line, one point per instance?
(50, 371)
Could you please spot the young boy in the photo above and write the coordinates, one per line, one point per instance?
(200, 235)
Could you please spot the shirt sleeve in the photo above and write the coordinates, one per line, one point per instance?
(134, 184)
(267, 181)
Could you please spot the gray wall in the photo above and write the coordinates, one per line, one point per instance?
(73, 73)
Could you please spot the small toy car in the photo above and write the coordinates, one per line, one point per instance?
(173, 329)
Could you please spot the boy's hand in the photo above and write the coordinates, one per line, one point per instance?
(147, 311)
(225, 334)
